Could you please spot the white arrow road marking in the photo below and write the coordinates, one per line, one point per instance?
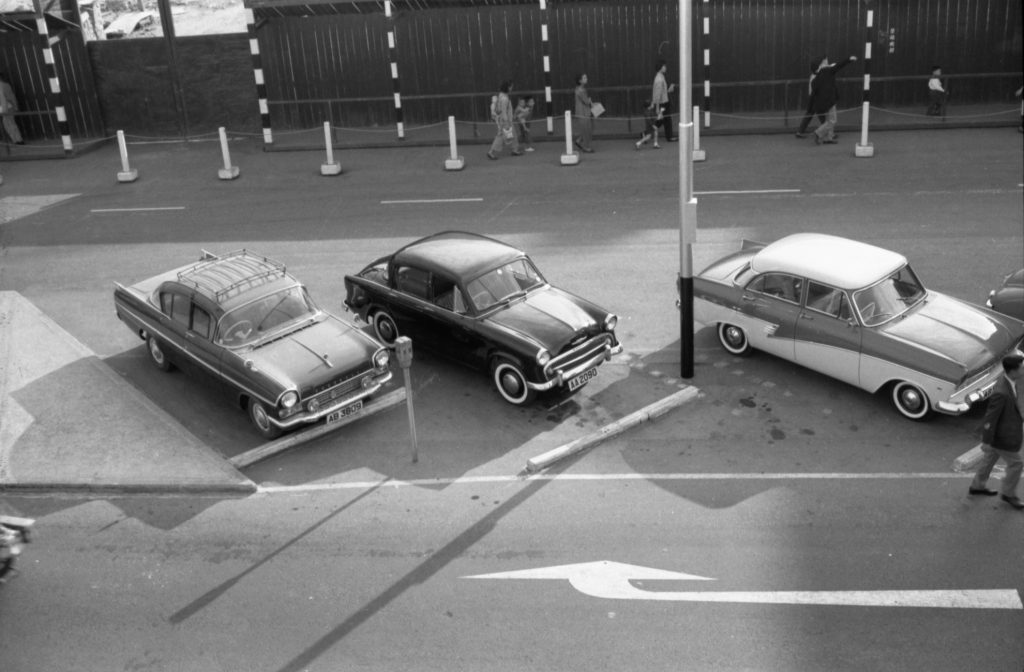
(611, 581)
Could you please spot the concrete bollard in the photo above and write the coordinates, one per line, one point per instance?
(228, 172)
(454, 162)
(698, 153)
(329, 168)
(126, 174)
(570, 158)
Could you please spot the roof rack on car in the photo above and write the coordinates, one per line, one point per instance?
(220, 280)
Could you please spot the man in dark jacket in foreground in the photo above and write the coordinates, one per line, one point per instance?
(824, 96)
(1002, 432)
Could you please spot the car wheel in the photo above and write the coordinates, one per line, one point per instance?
(911, 401)
(260, 419)
(510, 381)
(385, 328)
(733, 339)
(157, 354)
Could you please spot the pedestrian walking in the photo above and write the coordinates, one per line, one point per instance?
(1002, 432)
(936, 93)
(8, 106)
(584, 114)
(503, 116)
(523, 115)
(809, 114)
(659, 96)
(825, 96)
(650, 126)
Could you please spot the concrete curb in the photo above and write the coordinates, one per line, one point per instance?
(290, 441)
(635, 418)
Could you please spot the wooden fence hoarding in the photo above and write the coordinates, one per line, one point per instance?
(328, 65)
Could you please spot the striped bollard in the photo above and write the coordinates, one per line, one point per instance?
(228, 172)
(865, 149)
(127, 174)
(570, 158)
(329, 168)
(698, 153)
(454, 161)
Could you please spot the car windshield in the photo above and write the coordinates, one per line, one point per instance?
(505, 282)
(889, 298)
(250, 322)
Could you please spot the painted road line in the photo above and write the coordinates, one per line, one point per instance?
(477, 480)
(433, 200)
(635, 418)
(612, 581)
(746, 191)
(173, 207)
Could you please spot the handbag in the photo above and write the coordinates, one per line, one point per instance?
(597, 109)
(509, 134)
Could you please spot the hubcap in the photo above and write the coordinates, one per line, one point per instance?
(911, 399)
(511, 384)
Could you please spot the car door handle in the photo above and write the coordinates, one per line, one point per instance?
(805, 316)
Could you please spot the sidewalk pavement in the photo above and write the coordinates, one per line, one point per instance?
(482, 132)
(69, 424)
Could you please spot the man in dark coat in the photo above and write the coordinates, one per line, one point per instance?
(1002, 432)
(824, 96)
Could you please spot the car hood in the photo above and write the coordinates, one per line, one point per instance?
(957, 330)
(548, 316)
(314, 355)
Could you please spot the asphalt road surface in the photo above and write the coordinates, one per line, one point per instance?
(834, 532)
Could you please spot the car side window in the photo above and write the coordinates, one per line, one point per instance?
(779, 285)
(413, 281)
(447, 295)
(201, 322)
(177, 306)
(828, 300)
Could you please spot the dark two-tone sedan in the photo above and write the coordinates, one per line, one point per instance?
(858, 313)
(485, 304)
(242, 319)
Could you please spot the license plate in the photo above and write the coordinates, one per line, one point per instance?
(581, 380)
(345, 412)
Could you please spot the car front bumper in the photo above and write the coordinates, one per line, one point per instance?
(307, 417)
(586, 356)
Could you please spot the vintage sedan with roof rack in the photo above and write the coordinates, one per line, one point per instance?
(858, 313)
(243, 319)
(485, 304)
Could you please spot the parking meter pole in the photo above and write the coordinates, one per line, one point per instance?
(403, 351)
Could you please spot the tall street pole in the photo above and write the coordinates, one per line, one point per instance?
(687, 203)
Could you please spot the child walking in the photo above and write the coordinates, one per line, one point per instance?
(523, 115)
(650, 126)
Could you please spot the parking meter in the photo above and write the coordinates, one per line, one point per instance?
(403, 352)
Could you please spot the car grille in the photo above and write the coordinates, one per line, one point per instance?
(339, 387)
(578, 354)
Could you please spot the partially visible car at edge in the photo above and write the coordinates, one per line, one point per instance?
(484, 303)
(243, 319)
(1009, 297)
(858, 313)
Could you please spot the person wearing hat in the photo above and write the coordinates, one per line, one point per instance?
(1002, 432)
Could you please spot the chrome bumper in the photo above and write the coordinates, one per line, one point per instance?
(307, 417)
(606, 353)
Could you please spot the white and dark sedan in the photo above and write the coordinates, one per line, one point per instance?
(858, 313)
(485, 304)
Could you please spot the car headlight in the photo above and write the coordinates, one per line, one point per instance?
(543, 356)
(610, 322)
(289, 399)
(381, 359)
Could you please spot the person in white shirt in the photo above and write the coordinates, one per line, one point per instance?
(936, 93)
